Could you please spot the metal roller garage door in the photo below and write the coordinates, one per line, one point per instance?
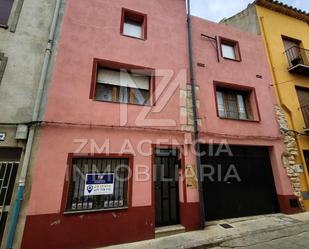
(238, 181)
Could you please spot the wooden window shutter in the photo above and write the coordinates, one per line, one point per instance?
(248, 107)
(303, 96)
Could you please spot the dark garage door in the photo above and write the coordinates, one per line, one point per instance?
(239, 182)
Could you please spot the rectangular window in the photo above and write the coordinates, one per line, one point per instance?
(98, 184)
(303, 97)
(293, 51)
(122, 86)
(230, 49)
(290, 43)
(134, 24)
(132, 28)
(233, 104)
(306, 154)
(5, 10)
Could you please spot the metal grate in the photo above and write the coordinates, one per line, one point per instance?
(118, 167)
(226, 226)
(297, 56)
(8, 171)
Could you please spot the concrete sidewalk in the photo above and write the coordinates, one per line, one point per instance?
(267, 231)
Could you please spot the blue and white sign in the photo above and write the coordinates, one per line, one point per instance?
(2, 136)
(99, 184)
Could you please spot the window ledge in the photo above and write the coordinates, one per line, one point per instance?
(226, 58)
(95, 210)
(243, 120)
(120, 103)
(134, 37)
(4, 26)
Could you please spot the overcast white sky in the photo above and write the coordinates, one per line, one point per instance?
(215, 10)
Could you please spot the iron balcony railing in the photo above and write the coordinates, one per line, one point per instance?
(305, 111)
(297, 56)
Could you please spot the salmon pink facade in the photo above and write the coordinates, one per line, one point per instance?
(96, 121)
(91, 32)
(250, 74)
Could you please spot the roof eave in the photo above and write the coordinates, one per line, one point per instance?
(284, 9)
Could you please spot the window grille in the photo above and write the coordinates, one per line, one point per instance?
(8, 172)
(107, 176)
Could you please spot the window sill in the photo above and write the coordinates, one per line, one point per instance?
(4, 26)
(120, 103)
(95, 210)
(243, 120)
(226, 58)
(134, 37)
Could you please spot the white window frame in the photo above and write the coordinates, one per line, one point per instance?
(228, 51)
(133, 29)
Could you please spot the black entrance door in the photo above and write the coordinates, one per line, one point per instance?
(238, 182)
(166, 187)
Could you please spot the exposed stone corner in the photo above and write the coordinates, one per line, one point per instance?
(187, 110)
(290, 154)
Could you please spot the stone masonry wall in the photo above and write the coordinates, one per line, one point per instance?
(186, 109)
(290, 154)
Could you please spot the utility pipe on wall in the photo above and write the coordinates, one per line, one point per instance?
(35, 116)
(195, 117)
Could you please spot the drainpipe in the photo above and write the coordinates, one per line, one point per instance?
(35, 115)
(287, 109)
(195, 117)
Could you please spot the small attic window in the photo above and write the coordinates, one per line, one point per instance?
(134, 24)
(230, 49)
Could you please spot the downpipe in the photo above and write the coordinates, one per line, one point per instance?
(195, 117)
(35, 115)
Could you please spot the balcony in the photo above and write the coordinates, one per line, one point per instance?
(298, 59)
(305, 111)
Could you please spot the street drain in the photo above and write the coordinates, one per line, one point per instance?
(226, 226)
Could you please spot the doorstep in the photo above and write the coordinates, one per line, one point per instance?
(169, 230)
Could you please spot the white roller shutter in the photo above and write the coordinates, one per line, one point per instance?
(122, 78)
